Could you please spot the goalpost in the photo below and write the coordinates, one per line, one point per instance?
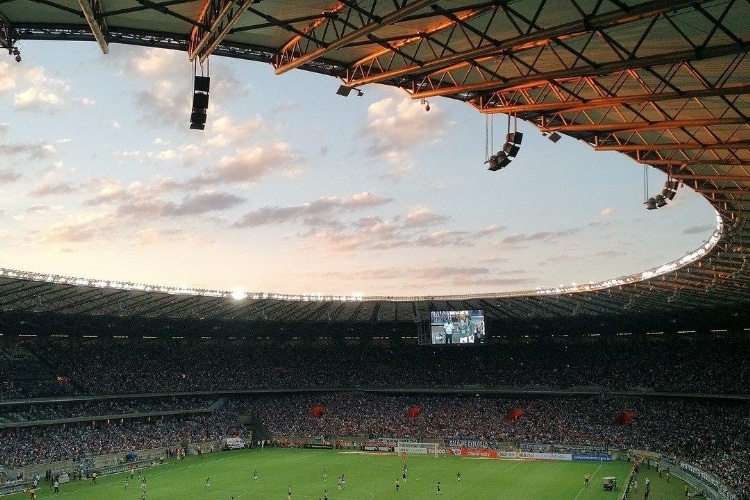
(405, 449)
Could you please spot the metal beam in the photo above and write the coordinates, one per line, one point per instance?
(608, 102)
(535, 79)
(696, 161)
(527, 41)
(219, 16)
(641, 126)
(94, 14)
(673, 147)
(713, 178)
(8, 33)
(365, 30)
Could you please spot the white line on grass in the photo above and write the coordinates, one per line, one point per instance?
(517, 464)
(592, 476)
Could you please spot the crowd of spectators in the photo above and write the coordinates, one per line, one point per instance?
(711, 432)
(23, 446)
(706, 366)
(97, 408)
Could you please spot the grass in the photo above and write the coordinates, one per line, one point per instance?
(367, 476)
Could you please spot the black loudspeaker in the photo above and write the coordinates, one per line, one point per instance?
(202, 84)
(200, 101)
(514, 137)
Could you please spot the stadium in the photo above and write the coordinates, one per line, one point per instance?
(105, 379)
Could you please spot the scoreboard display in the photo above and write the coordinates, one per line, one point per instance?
(451, 327)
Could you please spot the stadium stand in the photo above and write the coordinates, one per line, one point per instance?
(686, 399)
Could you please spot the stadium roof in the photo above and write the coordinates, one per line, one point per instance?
(664, 82)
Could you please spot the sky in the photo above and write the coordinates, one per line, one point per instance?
(294, 189)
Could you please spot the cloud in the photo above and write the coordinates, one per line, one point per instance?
(701, 229)
(79, 229)
(540, 236)
(7, 77)
(445, 238)
(226, 131)
(35, 151)
(611, 253)
(247, 165)
(395, 126)
(113, 191)
(189, 206)
(53, 188)
(34, 209)
(165, 155)
(450, 277)
(42, 91)
(423, 217)
(153, 63)
(109, 191)
(491, 229)
(310, 213)
(162, 104)
(7, 176)
(154, 236)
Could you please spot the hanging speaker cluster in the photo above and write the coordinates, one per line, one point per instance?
(502, 158)
(201, 86)
(667, 194)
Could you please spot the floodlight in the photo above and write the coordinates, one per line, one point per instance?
(345, 91)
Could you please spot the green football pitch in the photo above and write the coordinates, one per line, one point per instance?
(368, 476)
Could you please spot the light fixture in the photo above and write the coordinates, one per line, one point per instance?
(424, 102)
(554, 137)
(201, 86)
(14, 51)
(345, 91)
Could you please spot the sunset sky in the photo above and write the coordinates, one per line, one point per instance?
(294, 189)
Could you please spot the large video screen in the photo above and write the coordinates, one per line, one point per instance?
(457, 327)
